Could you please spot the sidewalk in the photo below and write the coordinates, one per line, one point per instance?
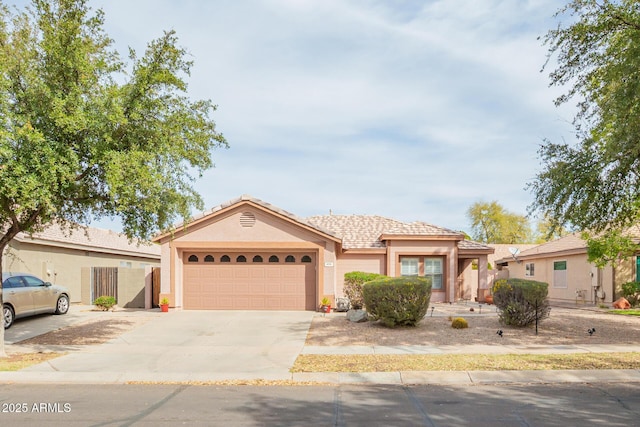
(191, 344)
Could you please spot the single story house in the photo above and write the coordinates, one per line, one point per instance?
(248, 254)
(563, 264)
(64, 257)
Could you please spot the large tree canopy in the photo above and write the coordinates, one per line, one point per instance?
(491, 223)
(84, 135)
(595, 184)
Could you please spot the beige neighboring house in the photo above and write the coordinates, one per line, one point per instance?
(64, 258)
(248, 254)
(563, 264)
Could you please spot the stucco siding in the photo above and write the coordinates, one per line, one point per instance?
(63, 266)
(358, 262)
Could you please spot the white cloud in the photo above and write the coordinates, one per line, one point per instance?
(408, 109)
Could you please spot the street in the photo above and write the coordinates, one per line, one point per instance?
(346, 405)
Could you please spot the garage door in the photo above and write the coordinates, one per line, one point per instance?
(249, 281)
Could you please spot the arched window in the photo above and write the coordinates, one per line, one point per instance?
(274, 258)
(290, 258)
(306, 258)
(241, 258)
(193, 258)
(225, 258)
(257, 258)
(208, 258)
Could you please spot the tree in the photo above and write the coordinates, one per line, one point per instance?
(491, 223)
(83, 136)
(593, 185)
(609, 248)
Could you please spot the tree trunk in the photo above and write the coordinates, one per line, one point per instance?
(2, 349)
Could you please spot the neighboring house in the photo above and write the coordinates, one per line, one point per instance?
(563, 264)
(248, 254)
(64, 257)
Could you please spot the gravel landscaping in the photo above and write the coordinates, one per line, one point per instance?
(565, 326)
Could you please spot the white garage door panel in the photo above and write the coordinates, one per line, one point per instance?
(249, 286)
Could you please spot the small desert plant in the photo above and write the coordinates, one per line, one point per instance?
(105, 302)
(521, 302)
(459, 323)
(165, 301)
(397, 301)
(353, 283)
(325, 301)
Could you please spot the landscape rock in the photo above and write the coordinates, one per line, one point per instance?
(357, 316)
(622, 303)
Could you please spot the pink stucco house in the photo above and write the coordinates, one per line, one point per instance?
(248, 254)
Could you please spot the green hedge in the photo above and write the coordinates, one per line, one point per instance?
(399, 300)
(521, 302)
(631, 291)
(353, 282)
(105, 302)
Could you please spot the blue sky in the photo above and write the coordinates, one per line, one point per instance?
(408, 109)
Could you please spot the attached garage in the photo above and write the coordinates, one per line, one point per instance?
(247, 255)
(249, 281)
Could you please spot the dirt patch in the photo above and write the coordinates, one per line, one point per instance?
(563, 327)
(90, 333)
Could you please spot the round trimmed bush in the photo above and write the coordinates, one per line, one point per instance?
(397, 300)
(353, 283)
(459, 323)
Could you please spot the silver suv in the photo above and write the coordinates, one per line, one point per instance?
(26, 295)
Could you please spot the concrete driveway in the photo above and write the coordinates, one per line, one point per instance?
(194, 346)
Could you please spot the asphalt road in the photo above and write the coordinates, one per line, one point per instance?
(346, 405)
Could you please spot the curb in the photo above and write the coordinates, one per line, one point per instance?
(332, 378)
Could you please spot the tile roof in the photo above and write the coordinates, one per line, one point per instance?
(357, 231)
(365, 231)
(570, 242)
(94, 239)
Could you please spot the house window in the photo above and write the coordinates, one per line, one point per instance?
(560, 274)
(225, 258)
(433, 269)
(529, 269)
(125, 264)
(257, 258)
(306, 258)
(208, 258)
(274, 258)
(409, 266)
(290, 258)
(241, 258)
(193, 258)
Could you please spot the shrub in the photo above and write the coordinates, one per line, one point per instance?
(631, 291)
(521, 302)
(459, 323)
(353, 286)
(105, 302)
(397, 301)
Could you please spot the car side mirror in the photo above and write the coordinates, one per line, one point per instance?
(47, 284)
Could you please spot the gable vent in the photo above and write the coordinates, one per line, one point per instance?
(247, 219)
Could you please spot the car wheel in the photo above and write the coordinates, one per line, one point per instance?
(63, 305)
(8, 315)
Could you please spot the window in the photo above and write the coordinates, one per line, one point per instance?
(125, 264)
(209, 258)
(306, 258)
(241, 258)
(290, 258)
(225, 258)
(32, 282)
(274, 258)
(529, 269)
(560, 274)
(409, 266)
(193, 258)
(13, 282)
(433, 269)
(257, 258)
